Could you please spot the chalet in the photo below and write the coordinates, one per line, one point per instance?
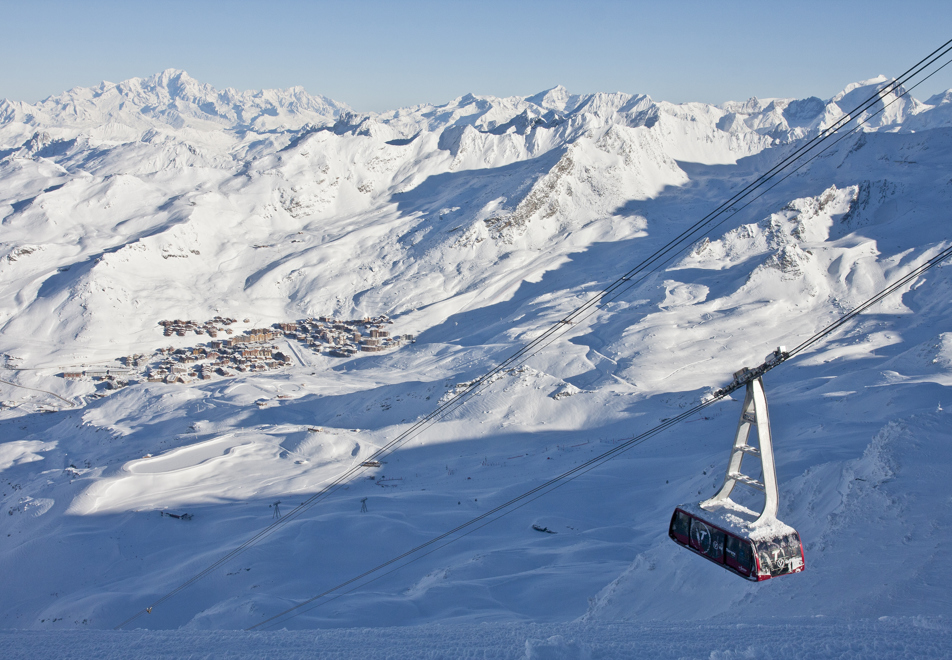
(266, 334)
(73, 374)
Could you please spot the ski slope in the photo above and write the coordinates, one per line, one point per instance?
(473, 226)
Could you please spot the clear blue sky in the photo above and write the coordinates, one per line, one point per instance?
(380, 55)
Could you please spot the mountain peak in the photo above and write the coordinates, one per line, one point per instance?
(556, 98)
(173, 98)
(171, 72)
(177, 83)
(878, 81)
(940, 98)
(171, 76)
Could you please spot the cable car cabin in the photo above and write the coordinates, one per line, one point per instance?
(769, 554)
(756, 546)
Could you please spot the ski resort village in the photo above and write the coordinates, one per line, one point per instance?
(251, 350)
(563, 375)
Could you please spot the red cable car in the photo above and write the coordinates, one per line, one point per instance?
(756, 546)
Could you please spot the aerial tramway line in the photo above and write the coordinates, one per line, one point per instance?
(774, 560)
(754, 545)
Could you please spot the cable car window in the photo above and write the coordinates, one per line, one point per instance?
(679, 524)
(707, 539)
(739, 554)
(780, 556)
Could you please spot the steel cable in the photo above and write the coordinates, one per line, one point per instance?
(579, 313)
(569, 475)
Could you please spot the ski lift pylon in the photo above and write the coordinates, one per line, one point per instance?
(756, 546)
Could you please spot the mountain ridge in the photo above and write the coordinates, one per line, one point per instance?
(175, 99)
(468, 226)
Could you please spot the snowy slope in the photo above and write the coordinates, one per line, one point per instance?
(889, 638)
(473, 225)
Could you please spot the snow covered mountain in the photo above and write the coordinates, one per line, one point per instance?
(472, 226)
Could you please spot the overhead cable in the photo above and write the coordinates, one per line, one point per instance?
(579, 313)
(569, 475)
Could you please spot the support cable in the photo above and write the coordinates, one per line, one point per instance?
(489, 517)
(901, 282)
(581, 312)
(740, 379)
(734, 212)
(580, 315)
(619, 286)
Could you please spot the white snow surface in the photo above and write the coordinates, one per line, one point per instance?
(474, 226)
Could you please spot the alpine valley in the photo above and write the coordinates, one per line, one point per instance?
(213, 303)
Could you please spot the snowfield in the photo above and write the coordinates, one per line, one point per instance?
(885, 638)
(473, 226)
